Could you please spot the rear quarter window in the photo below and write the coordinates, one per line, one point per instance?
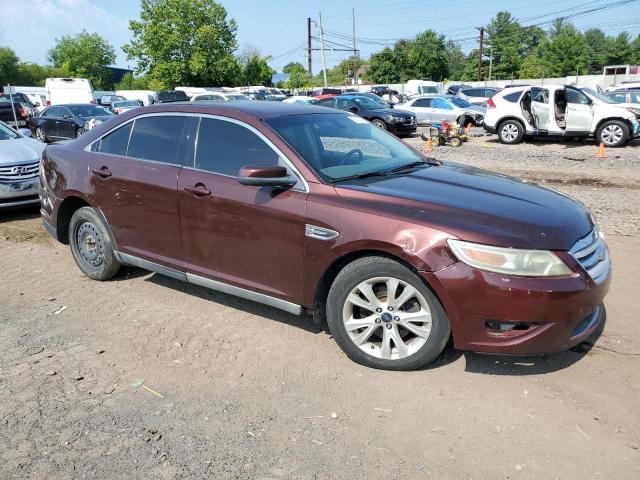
(512, 97)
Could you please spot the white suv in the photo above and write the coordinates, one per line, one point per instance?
(558, 110)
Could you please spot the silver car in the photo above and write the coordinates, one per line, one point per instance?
(430, 109)
(478, 95)
(19, 161)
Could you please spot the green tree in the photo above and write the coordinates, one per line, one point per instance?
(456, 61)
(84, 55)
(256, 70)
(532, 67)
(598, 52)
(505, 44)
(9, 66)
(131, 82)
(634, 51)
(184, 43)
(566, 53)
(292, 66)
(427, 56)
(619, 49)
(344, 70)
(382, 68)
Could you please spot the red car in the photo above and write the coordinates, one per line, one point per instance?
(310, 209)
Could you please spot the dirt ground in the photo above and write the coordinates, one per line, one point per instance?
(148, 377)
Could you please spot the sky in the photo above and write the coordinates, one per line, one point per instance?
(279, 28)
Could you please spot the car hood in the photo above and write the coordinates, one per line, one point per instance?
(20, 150)
(478, 205)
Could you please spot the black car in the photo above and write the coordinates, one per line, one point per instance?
(454, 89)
(396, 121)
(168, 96)
(22, 99)
(61, 122)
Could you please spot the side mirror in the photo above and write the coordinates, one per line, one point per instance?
(265, 176)
(353, 109)
(25, 132)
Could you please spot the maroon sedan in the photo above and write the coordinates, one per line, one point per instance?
(310, 209)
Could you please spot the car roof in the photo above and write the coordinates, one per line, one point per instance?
(258, 109)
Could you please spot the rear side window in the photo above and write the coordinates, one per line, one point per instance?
(225, 147)
(114, 143)
(158, 138)
(512, 97)
(422, 102)
(474, 92)
(539, 95)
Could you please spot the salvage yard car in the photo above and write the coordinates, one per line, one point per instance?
(63, 122)
(307, 208)
(431, 109)
(19, 160)
(559, 110)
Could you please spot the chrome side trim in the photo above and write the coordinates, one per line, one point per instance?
(154, 267)
(246, 294)
(320, 233)
(133, 261)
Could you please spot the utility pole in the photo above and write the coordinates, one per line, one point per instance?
(309, 46)
(355, 52)
(480, 52)
(490, 62)
(324, 63)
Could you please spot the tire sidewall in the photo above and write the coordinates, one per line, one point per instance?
(369, 267)
(621, 124)
(44, 135)
(518, 138)
(379, 123)
(110, 265)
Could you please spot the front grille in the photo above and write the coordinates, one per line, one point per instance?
(592, 253)
(18, 173)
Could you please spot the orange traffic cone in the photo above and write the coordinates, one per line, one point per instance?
(600, 153)
(428, 145)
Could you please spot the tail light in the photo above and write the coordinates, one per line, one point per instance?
(490, 103)
(48, 103)
(22, 112)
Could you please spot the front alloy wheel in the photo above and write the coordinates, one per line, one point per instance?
(387, 318)
(40, 135)
(613, 133)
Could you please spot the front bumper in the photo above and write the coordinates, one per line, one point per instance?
(403, 128)
(19, 193)
(551, 314)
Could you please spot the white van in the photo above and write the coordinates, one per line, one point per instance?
(422, 87)
(68, 90)
(145, 96)
(192, 91)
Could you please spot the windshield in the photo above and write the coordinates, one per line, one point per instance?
(17, 98)
(128, 103)
(337, 146)
(7, 133)
(237, 97)
(88, 110)
(459, 102)
(425, 89)
(592, 93)
(366, 103)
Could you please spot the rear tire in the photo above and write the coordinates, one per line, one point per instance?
(399, 325)
(613, 133)
(511, 132)
(91, 245)
(40, 135)
(79, 132)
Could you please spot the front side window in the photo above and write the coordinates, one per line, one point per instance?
(225, 147)
(575, 96)
(158, 138)
(115, 143)
(337, 145)
(634, 97)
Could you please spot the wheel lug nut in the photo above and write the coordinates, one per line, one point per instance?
(378, 310)
(396, 318)
(390, 309)
(377, 320)
(388, 326)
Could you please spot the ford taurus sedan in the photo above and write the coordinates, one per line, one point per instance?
(311, 209)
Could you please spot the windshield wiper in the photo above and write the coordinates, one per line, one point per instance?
(381, 173)
(406, 166)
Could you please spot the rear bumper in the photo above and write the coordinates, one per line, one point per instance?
(489, 128)
(550, 315)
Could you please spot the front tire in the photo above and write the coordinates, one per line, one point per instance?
(382, 315)
(613, 133)
(79, 132)
(511, 132)
(91, 245)
(379, 123)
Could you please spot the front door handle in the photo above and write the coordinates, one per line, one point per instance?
(199, 190)
(103, 172)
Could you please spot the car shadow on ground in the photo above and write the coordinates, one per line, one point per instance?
(475, 362)
(20, 213)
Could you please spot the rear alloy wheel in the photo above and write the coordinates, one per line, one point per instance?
(40, 135)
(81, 131)
(511, 132)
(379, 123)
(383, 316)
(613, 133)
(91, 246)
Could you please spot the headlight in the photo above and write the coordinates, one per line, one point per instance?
(511, 261)
(635, 111)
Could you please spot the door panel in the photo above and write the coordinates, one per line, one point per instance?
(541, 108)
(134, 178)
(251, 237)
(579, 114)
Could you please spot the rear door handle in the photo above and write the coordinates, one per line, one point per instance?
(199, 190)
(103, 172)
